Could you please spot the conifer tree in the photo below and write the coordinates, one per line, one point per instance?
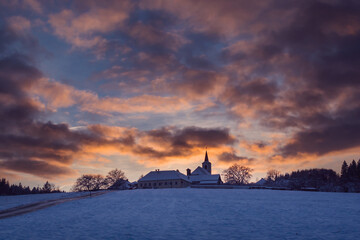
(352, 171)
(344, 170)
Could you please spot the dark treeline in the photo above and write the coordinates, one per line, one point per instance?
(321, 179)
(13, 189)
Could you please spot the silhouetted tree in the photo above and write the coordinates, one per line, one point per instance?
(237, 174)
(13, 189)
(89, 182)
(115, 176)
(4, 187)
(272, 174)
(352, 171)
(309, 178)
(344, 170)
(35, 190)
(48, 187)
(358, 169)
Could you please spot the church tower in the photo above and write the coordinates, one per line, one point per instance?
(206, 164)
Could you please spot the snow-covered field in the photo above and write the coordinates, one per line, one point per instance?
(15, 201)
(194, 214)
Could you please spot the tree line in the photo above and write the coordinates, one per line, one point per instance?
(115, 179)
(18, 189)
(308, 179)
(319, 179)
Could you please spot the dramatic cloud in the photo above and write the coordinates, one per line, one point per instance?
(232, 157)
(84, 30)
(257, 82)
(58, 95)
(335, 135)
(49, 149)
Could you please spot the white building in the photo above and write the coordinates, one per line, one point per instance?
(175, 179)
(202, 175)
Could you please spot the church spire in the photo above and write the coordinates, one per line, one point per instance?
(206, 157)
(206, 164)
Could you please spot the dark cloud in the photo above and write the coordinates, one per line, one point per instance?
(310, 64)
(324, 40)
(257, 91)
(34, 167)
(28, 145)
(197, 82)
(46, 149)
(232, 157)
(16, 75)
(327, 135)
(183, 142)
(294, 64)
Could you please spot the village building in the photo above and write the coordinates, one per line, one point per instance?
(164, 179)
(175, 179)
(202, 175)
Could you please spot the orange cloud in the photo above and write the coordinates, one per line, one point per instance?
(58, 95)
(260, 148)
(83, 30)
(19, 24)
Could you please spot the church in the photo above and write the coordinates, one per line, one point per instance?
(202, 175)
(175, 179)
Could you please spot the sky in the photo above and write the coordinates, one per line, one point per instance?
(89, 86)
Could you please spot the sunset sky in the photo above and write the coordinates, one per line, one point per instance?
(89, 86)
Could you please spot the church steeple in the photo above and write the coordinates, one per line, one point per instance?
(206, 157)
(206, 164)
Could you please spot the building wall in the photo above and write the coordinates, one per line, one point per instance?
(178, 183)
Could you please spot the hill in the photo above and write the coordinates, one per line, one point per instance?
(194, 214)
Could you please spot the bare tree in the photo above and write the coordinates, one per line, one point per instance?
(89, 182)
(237, 174)
(115, 176)
(272, 174)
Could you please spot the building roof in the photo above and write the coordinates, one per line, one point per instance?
(262, 181)
(164, 175)
(200, 171)
(205, 178)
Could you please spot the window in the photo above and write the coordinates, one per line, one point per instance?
(140, 185)
(154, 184)
(165, 183)
(160, 184)
(175, 183)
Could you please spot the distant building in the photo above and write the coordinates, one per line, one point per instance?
(175, 179)
(164, 179)
(120, 184)
(261, 182)
(202, 175)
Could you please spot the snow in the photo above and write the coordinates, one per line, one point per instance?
(194, 214)
(163, 175)
(7, 202)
